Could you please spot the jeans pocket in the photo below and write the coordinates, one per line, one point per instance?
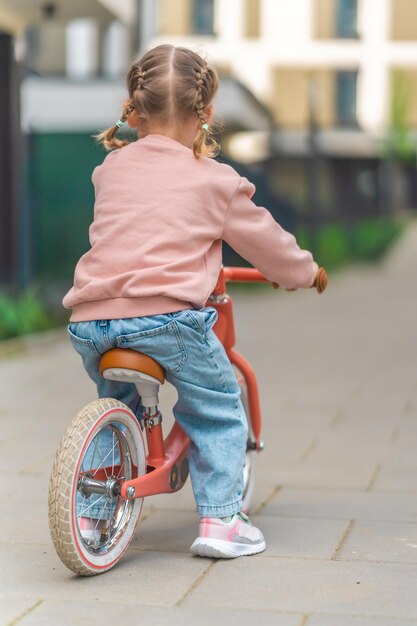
(196, 319)
(82, 344)
(164, 344)
(202, 320)
(211, 316)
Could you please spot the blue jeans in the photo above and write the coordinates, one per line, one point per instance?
(208, 409)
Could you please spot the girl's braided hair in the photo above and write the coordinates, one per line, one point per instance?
(169, 83)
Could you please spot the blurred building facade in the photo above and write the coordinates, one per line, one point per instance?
(340, 79)
(311, 90)
(346, 51)
(340, 57)
(43, 41)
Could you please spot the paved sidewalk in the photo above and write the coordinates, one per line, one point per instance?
(336, 491)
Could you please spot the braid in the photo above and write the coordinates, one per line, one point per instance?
(127, 110)
(140, 89)
(204, 144)
(139, 77)
(200, 100)
(108, 137)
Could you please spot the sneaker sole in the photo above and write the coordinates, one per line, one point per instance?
(219, 549)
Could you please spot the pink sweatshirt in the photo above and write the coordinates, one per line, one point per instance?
(160, 215)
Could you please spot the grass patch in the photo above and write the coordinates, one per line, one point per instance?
(23, 314)
(336, 245)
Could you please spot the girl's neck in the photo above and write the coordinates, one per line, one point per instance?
(184, 134)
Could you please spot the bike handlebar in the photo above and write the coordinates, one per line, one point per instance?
(251, 275)
(243, 275)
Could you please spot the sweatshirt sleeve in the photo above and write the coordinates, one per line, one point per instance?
(255, 235)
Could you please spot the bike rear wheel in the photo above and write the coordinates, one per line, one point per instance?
(91, 524)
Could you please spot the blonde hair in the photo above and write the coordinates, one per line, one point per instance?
(169, 83)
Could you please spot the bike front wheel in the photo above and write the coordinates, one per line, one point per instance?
(91, 524)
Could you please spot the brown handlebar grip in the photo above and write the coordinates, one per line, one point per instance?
(321, 280)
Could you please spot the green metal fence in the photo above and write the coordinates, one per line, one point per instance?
(62, 197)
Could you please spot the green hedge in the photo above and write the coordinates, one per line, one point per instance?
(23, 314)
(336, 245)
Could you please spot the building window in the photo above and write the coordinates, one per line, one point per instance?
(346, 15)
(203, 17)
(346, 82)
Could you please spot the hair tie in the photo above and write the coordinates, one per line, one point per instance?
(119, 123)
(205, 127)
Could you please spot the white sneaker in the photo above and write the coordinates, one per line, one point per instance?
(227, 539)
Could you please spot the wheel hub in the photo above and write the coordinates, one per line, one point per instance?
(87, 485)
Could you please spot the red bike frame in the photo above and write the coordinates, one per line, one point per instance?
(167, 460)
(225, 331)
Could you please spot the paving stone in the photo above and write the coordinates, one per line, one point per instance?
(80, 614)
(42, 465)
(300, 414)
(309, 586)
(397, 474)
(351, 474)
(340, 392)
(396, 456)
(17, 455)
(369, 440)
(361, 409)
(12, 608)
(292, 537)
(349, 620)
(34, 486)
(47, 379)
(405, 441)
(10, 426)
(381, 541)
(286, 444)
(343, 504)
(153, 578)
(410, 410)
(166, 530)
(22, 523)
(264, 490)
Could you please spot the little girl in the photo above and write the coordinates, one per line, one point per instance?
(162, 209)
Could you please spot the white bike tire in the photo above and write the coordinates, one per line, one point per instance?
(70, 545)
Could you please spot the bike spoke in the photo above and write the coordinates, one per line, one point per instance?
(101, 464)
(94, 452)
(101, 515)
(121, 467)
(112, 456)
(82, 506)
(89, 507)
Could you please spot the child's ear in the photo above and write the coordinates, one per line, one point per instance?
(133, 119)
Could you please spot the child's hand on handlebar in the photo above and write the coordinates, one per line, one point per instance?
(320, 281)
(276, 286)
